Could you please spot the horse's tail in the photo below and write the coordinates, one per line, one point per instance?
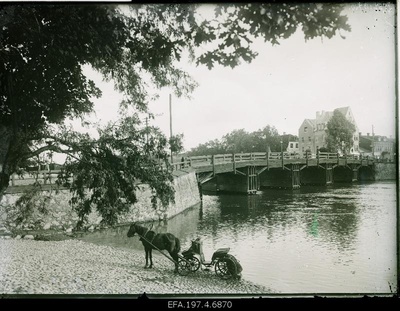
(177, 245)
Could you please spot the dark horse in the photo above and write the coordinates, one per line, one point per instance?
(163, 241)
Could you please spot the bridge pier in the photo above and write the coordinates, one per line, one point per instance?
(252, 180)
(295, 169)
(246, 173)
(355, 173)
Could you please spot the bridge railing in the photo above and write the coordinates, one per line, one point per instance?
(197, 161)
(49, 176)
(327, 155)
(28, 178)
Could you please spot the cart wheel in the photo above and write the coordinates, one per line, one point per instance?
(221, 269)
(194, 263)
(184, 267)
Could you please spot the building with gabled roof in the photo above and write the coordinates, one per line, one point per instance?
(312, 132)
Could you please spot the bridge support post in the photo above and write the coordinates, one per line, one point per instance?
(329, 174)
(234, 162)
(213, 163)
(295, 176)
(355, 173)
(252, 182)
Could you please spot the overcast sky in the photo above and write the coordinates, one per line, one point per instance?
(287, 83)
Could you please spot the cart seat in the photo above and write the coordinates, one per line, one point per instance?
(221, 252)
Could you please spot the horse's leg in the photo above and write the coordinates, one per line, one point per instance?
(147, 257)
(151, 258)
(175, 257)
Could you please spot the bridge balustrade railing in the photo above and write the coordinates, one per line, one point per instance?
(28, 178)
(50, 176)
(274, 155)
(308, 155)
(327, 155)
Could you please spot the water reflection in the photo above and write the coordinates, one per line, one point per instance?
(315, 239)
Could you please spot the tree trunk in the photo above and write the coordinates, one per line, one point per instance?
(5, 144)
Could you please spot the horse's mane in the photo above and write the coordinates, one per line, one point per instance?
(142, 230)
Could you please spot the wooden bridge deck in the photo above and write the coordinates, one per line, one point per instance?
(224, 163)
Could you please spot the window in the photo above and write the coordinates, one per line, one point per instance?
(302, 139)
(297, 145)
(291, 145)
(305, 129)
(309, 138)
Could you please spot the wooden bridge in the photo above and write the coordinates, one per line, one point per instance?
(247, 172)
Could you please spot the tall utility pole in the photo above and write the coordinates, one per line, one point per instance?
(170, 125)
(373, 142)
(147, 131)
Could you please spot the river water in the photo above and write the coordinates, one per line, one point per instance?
(335, 239)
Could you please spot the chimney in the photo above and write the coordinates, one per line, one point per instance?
(367, 134)
(359, 134)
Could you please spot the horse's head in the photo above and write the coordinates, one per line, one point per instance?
(132, 230)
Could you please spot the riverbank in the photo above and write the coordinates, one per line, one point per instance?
(50, 208)
(76, 267)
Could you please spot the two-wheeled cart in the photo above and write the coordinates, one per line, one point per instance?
(226, 266)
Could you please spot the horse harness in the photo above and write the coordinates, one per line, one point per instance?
(144, 236)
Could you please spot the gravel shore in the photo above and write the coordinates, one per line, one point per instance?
(76, 267)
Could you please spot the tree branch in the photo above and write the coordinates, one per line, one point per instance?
(48, 148)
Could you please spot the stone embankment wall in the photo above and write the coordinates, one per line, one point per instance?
(385, 171)
(54, 212)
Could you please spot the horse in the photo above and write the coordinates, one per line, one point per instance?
(163, 241)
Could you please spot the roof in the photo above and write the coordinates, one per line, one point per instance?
(364, 150)
(325, 116)
(376, 138)
(343, 110)
(310, 121)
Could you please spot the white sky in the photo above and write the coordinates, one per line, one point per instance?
(287, 83)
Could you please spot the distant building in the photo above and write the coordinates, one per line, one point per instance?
(293, 147)
(377, 146)
(312, 132)
(306, 136)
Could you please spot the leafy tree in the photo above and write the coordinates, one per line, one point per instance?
(43, 49)
(209, 148)
(268, 139)
(237, 141)
(176, 143)
(340, 133)
(241, 141)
